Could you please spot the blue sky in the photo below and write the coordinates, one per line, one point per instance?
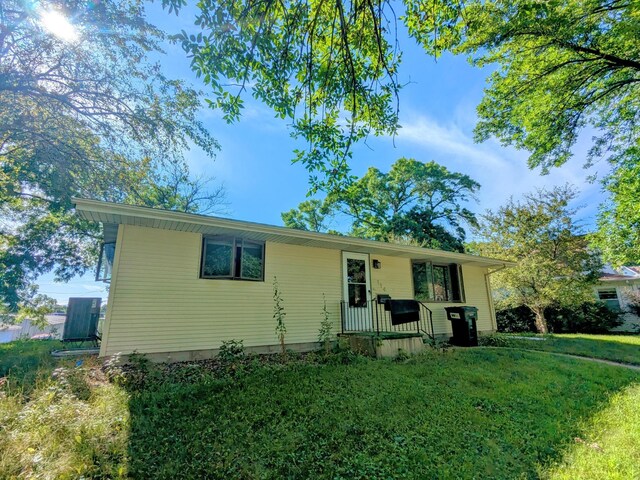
(437, 114)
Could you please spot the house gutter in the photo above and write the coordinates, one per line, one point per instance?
(487, 284)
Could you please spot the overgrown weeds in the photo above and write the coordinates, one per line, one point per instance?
(65, 421)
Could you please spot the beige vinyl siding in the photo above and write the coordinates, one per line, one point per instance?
(395, 279)
(158, 303)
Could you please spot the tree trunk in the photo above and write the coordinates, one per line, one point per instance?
(541, 322)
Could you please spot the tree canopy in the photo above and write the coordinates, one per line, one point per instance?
(562, 66)
(311, 215)
(564, 70)
(415, 201)
(618, 235)
(85, 112)
(554, 265)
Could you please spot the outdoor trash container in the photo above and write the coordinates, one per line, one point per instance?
(463, 323)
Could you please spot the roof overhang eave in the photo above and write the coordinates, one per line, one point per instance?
(112, 213)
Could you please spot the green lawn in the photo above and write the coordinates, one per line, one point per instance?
(618, 348)
(475, 413)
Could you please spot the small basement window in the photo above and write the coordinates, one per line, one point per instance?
(437, 283)
(232, 258)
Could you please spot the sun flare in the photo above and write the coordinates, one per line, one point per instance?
(58, 25)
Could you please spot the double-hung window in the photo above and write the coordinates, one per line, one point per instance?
(232, 258)
(437, 283)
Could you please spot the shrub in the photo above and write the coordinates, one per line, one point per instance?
(515, 320)
(586, 318)
(231, 351)
(589, 317)
(633, 301)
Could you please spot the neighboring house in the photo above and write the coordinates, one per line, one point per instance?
(181, 284)
(615, 289)
(53, 327)
(9, 333)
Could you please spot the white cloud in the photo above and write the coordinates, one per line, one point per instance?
(448, 139)
(502, 171)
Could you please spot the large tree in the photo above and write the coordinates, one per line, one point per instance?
(554, 265)
(618, 235)
(85, 112)
(311, 215)
(563, 70)
(414, 201)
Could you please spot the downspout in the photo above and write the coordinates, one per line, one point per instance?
(487, 284)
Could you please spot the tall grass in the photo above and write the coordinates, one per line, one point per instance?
(59, 419)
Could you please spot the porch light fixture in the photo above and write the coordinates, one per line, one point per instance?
(377, 264)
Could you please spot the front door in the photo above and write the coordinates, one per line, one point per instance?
(357, 292)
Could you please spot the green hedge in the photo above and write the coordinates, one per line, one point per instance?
(591, 317)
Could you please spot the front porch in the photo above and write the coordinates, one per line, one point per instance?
(376, 318)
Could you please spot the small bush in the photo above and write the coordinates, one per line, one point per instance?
(231, 351)
(633, 301)
(113, 370)
(586, 318)
(515, 320)
(73, 380)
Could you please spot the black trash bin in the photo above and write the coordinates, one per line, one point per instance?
(463, 323)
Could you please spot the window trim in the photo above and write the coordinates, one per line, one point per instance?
(448, 266)
(236, 262)
(109, 267)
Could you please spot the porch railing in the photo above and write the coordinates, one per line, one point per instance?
(375, 318)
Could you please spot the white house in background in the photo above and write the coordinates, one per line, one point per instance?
(615, 289)
(9, 333)
(53, 327)
(27, 329)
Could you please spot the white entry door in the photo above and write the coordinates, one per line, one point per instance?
(357, 292)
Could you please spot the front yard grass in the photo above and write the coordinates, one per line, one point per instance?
(617, 348)
(474, 413)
